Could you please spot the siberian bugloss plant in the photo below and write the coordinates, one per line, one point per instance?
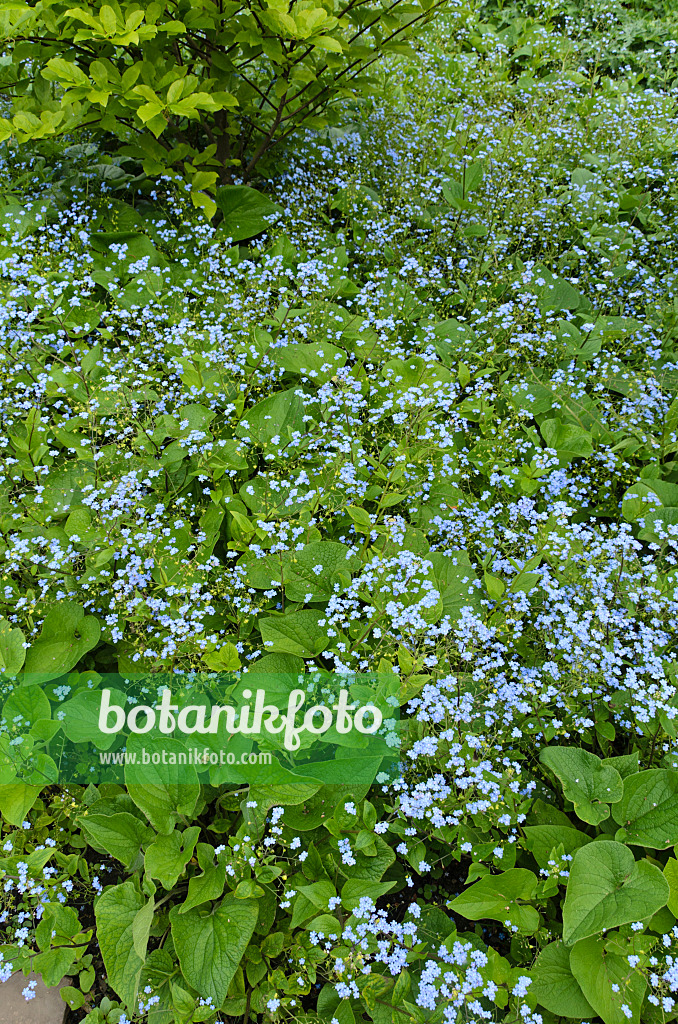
(201, 88)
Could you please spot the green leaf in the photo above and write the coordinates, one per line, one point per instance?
(66, 635)
(317, 569)
(328, 43)
(280, 416)
(354, 890)
(210, 945)
(247, 889)
(635, 501)
(324, 924)
(496, 896)
(567, 438)
(531, 396)
(555, 293)
(25, 705)
(589, 784)
(361, 518)
(141, 927)
(319, 893)
(246, 212)
(318, 362)
(648, 811)
(164, 792)
(541, 840)
(59, 70)
(80, 721)
(456, 580)
(73, 997)
(295, 633)
(53, 964)
(57, 924)
(12, 651)
(625, 764)
(115, 912)
(600, 971)
(369, 868)
(608, 888)
(158, 970)
(414, 371)
(183, 1004)
(166, 858)
(555, 987)
(475, 230)
(277, 664)
(671, 876)
(122, 835)
(210, 884)
(494, 585)
(358, 769)
(17, 798)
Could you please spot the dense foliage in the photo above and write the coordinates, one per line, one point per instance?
(409, 408)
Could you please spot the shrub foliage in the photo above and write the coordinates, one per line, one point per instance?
(201, 87)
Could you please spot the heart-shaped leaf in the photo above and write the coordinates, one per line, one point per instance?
(279, 415)
(66, 635)
(246, 211)
(295, 633)
(164, 791)
(211, 945)
(648, 811)
(586, 781)
(496, 896)
(608, 888)
(122, 835)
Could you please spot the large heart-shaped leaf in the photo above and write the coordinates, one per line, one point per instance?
(80, 717)
(23, 778)
(16, 800)
(210, 884)
(66, 635)
(586, 781)
(541, 840)
(25, 705)
(246, 211)
(608, 888)
(313, 573)
(648, 811)
(210, 945)
(568, 439)
(456, 579)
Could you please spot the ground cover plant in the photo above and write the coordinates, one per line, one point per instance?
(408, 407)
